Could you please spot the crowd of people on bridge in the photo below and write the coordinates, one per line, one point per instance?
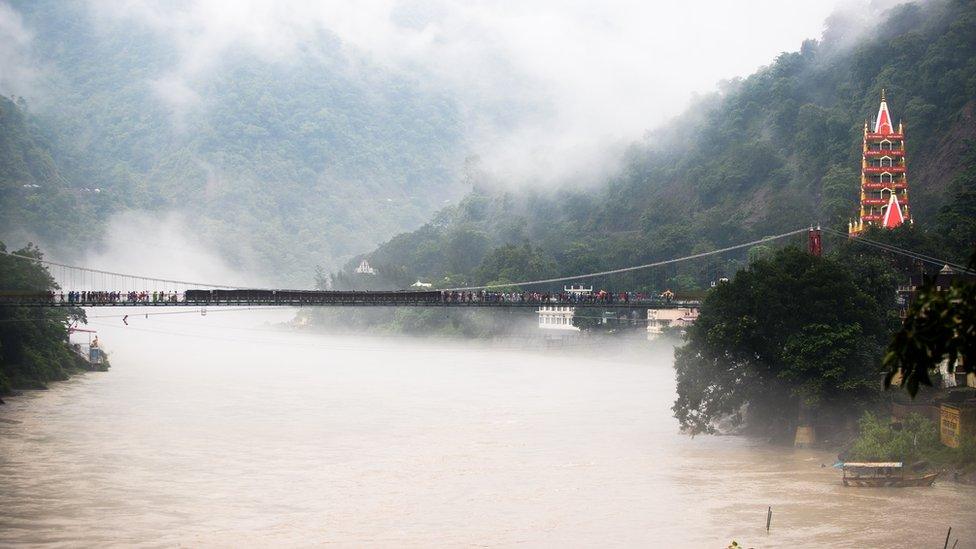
(102, 298)
(145, 297)
(568, 298)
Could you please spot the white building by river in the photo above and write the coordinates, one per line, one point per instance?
(560, 317)
(557, 317)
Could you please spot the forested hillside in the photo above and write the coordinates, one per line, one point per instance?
(285, 163)
(33, 191)
(772, 152)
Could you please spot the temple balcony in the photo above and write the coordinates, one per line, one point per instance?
(878, 153)
(877, 186)
(883, 201)
(874, 170)
(881, 136)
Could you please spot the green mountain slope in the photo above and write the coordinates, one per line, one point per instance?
(772, 152)
(33, 192)
(288, 163)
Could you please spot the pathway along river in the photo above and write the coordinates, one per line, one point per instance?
(236, 436)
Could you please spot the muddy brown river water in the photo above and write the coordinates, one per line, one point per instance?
(214, 431)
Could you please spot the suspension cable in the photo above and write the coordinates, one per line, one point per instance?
(901, 251)
(880, 245)
(635, 268)
(110, 273)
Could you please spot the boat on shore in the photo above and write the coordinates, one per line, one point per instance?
(883, 474)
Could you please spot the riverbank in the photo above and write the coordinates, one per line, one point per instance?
(61, 367)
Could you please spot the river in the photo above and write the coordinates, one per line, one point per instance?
(217, 431)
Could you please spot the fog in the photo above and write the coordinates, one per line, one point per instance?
(154, 245)
(549, 91)
(17, 73)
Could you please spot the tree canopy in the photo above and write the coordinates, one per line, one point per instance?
(940, 326)
(791, 330)
(33, 340)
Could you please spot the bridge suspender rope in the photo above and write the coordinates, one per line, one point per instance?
(148, 279)
(634, 268)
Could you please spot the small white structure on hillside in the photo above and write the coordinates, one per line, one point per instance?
(557, 317)
(419, 284)
(659, 320)
(364, 268)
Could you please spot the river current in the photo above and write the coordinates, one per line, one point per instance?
(218, 431)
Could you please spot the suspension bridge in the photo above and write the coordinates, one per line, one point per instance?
(89, 287)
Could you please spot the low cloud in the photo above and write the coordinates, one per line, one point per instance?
(164, 246)
(548, 90)
(17, 72)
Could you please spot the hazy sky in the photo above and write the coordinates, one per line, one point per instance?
(546, 87)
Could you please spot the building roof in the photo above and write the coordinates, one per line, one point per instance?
(893, 216)
(882, 124)
(872, 464)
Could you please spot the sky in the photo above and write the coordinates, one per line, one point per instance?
(547, 89)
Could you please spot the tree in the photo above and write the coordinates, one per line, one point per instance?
(838, 194)
(33, 348)
(879, 441)
(515, 263)
(792, 331)
(464, 249)
(940, 326)
(956, 220)
(323, 281)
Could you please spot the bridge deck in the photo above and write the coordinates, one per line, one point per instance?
(298, 303)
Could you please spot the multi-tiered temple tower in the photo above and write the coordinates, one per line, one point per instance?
(884, 181)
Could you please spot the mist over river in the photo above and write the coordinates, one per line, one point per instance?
(220, 431)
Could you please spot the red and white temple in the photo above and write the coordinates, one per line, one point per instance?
(884, 180)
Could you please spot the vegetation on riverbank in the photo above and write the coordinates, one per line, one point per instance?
(914, 439)
(940, 327)
(797, 339)
(33, 341)
(792, 338)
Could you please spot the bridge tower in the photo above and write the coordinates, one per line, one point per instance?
(884, 180)
(814, 242)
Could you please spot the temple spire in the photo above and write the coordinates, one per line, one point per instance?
(882, 124)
